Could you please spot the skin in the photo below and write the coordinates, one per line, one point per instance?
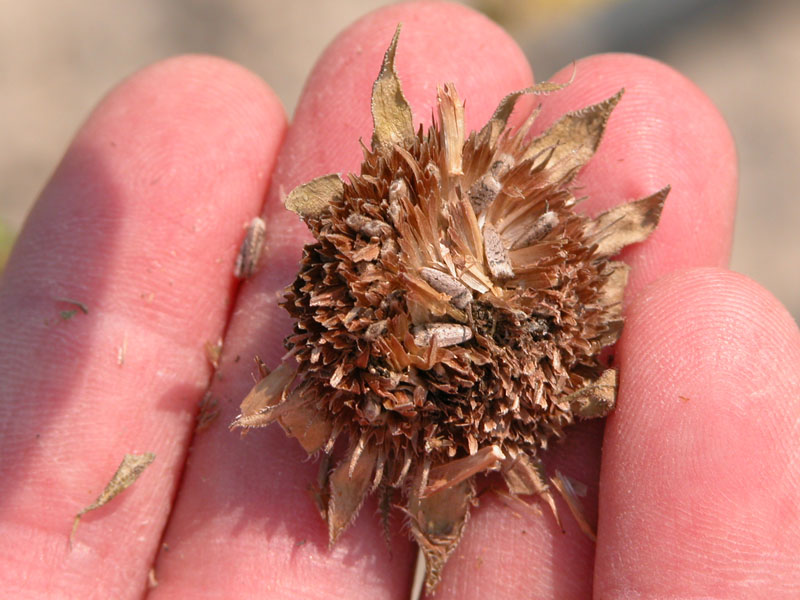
(700, 466)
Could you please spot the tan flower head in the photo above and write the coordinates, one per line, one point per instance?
(449, 316)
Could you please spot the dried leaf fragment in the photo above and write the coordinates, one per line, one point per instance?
(573, 139)
(437, 524)
(314, 198)
(628, 223)
(250, 251)
(391, 113)
(349, 483)
(567, 490)
(596, 399)
(127, 473)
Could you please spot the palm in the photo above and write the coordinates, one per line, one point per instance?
(142, 222)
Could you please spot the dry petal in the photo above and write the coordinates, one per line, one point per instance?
(454, 472)
(391, 113)
(437, 524)
(628, 223)
(250, 250)
(314, 198)
(127, 473)
(269, 391)
(527, 477)
(451, 114)
(573, 139)
(596, 399)
(348, 484)
(492, 130)
(567, 490)
(305, 424)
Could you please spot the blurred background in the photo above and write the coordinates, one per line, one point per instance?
(57, 58)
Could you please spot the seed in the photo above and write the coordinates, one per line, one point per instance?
(250, 251)
(540, 228)
(483, 192)
(459, 294)
(369, 227)
(496, 254)
(447, 334)
(502, 165)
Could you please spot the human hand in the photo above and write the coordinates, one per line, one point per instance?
(142, 222)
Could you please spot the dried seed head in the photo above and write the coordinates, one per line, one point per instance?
(449, 315)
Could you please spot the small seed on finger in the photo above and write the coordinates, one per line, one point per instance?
(250, 251)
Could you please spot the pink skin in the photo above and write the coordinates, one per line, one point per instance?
(142, 220)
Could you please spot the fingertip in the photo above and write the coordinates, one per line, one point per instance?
(700, 462)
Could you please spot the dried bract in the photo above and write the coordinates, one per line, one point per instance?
(127, 473)
(450, 314)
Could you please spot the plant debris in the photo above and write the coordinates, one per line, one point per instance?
(127, 473)
(214, 352)
(450, 316)
(80, 305)
(208, 412)
(250, 251)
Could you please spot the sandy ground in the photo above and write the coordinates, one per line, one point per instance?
(58, 57)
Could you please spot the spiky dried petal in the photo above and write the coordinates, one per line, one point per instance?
(269, 391)
(573, 139)
(307, 425)
(451, 114)
(497, 124)
(391, 113)
(596, 399)
(567, 490)
(454, 472)
(613, 290)
(437, 524)
(628, 223)
(525, 476)
(349, 483)
(314, 198)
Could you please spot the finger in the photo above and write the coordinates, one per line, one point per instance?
(139, 224)
(244, 508)
(701, 463)
(645, 147)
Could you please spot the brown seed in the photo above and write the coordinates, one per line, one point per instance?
(366, 226)
(483, 192)
(502, 165)
(540, 228)
(447, 284)
(496, 254)
(375, 330)
(446, 334)
(250, 251)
